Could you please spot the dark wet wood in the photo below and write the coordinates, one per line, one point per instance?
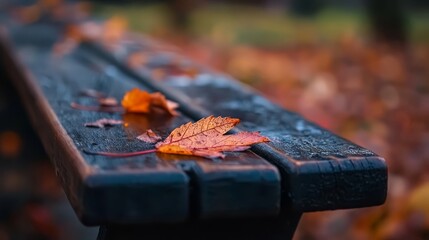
(93, 186)
(320, 170)
(154, 188)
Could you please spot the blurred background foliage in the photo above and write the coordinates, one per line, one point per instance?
(268, 23)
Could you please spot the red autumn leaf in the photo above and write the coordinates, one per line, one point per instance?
(149, 136)
(101, 123)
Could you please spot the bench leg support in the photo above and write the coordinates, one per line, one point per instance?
(260, 229)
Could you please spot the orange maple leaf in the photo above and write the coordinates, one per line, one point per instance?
(140, 101)
(206, 138)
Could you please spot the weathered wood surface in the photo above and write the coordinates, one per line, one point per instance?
(155, 188)
(320, 171)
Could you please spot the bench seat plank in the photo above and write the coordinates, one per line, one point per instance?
(320, 170)
(323, 171)
(151, 188)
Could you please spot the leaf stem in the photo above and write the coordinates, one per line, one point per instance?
(113, 154)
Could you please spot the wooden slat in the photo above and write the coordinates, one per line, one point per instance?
(241, 185)
(323, 170)
(320, 171)
(151, 188)
(100, 189)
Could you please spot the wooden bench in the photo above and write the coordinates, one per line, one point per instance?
(256, 194)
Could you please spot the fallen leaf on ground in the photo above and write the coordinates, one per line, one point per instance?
(417, 201)
(140, 101)
(101, 123)
(149, 136)
(204, 138)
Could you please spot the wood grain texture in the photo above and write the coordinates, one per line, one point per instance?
(93, 185)
(153, 188)
(320, 170)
